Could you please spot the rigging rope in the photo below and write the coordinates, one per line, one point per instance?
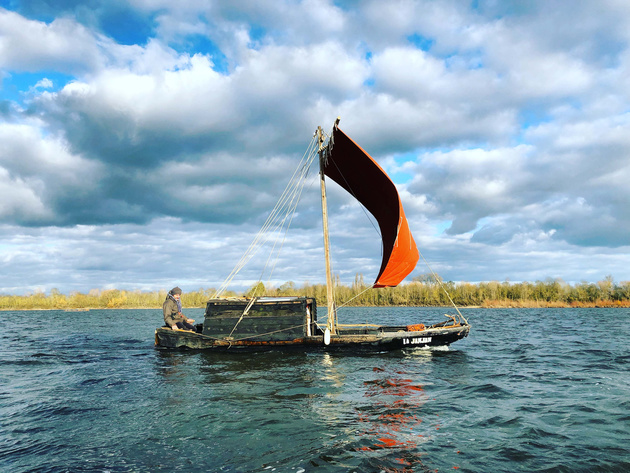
(291, 213)
(275, 221)
(249, 306)
(439, 280)
(353, 298)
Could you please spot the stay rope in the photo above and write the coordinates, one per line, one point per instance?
(353, 298)
(249, 306)
(439, 280)
(290, 213)
(281, 215)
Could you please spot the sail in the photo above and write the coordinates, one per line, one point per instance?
(352, 168)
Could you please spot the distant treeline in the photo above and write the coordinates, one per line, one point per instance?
(425, 290)
(100, 299)
(428, 290)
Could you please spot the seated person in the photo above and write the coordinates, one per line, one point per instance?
(173, 316)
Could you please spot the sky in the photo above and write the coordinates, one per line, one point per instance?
(144, 142)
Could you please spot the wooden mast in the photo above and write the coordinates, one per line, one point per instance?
(330, 295)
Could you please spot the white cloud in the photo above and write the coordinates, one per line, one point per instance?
(37, 171)
(45, 83)
(20, 199)
(513, 128)
(28, 45)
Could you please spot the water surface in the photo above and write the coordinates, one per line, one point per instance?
(530, 390)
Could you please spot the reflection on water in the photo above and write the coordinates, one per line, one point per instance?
(393, 422)
(366, 412)
(310, 410)
(330, 373)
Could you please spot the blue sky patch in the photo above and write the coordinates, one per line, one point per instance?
(20, 86)
(127, 26)
(442, 226)
(401, 177)
(201, 44)
(532, 116)
(421, 42)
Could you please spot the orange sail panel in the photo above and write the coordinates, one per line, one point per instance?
(353, 169)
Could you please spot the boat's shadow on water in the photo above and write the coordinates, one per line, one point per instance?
(274, 362)
(265, 359)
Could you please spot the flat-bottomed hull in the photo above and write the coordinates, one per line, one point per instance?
(381, 339)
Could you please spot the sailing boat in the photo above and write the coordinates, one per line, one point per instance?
(245, 323)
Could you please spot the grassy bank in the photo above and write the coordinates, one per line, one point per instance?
(421, 292)
(510, 304)
(96, 299)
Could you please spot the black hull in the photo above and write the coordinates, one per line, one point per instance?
(383, 339)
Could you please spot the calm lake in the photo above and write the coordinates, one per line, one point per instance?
(530, 390)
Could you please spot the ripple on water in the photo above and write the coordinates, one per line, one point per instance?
(95, 396)
(486, 390)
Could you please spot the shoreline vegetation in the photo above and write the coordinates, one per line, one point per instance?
(422, 291)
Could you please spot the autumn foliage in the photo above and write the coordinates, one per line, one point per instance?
(425, 290)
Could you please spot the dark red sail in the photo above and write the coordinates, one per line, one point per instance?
(353, 169)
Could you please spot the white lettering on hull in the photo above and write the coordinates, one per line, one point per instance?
(416, 340)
